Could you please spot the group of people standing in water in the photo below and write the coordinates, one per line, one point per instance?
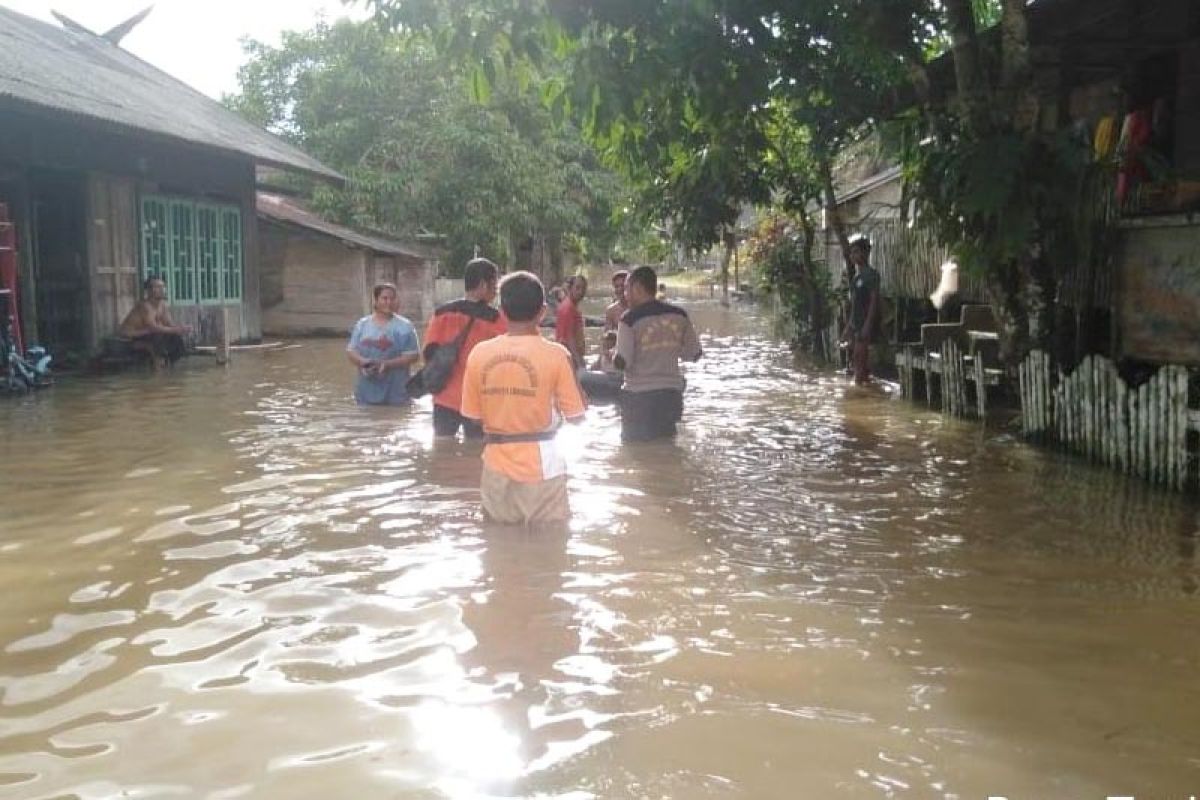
(507, 385)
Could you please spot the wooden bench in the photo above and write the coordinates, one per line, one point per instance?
(118, 353)
(967, 351)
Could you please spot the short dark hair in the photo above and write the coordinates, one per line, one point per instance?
(645, 277)
(151, 278)
(571, 281)
(380, 288)
(479, 271)
(623, 274)
(522, 296)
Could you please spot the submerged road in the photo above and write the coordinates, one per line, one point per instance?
(226, 583)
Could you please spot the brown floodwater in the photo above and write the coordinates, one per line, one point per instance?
(228, 583)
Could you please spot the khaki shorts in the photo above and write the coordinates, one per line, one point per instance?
(514, 503)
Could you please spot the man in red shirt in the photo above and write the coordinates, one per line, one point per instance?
(480, 279)
(568, 329)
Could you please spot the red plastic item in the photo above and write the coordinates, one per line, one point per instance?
(8, 272)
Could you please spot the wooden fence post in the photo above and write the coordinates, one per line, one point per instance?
(980, 389)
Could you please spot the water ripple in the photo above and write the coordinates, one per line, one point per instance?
(814, 591)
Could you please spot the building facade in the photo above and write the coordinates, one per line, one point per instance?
(113, 171)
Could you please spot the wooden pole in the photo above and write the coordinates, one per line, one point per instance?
(1023, 393)
(737, 271)
(223, 351)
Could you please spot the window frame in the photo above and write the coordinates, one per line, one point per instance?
(222, 248)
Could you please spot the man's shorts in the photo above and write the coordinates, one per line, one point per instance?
(650, 415)
(447, 421)
(515, 503)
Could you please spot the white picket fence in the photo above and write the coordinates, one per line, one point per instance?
(1142, 431)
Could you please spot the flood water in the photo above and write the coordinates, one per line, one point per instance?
(227, 583)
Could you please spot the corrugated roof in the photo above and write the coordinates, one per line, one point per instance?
(88, 76)
(285, 210)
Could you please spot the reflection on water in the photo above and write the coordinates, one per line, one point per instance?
(232, 583)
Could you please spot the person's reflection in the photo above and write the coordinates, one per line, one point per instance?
(523, 628)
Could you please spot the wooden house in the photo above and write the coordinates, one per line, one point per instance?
(316, 276)
(114, 170)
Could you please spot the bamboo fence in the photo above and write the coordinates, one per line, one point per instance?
(909, 260)
(1093, 412)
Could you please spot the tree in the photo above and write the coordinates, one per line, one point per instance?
(400, 122)
(706, 106)
(688, 95)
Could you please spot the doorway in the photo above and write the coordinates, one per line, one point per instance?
(60, 259)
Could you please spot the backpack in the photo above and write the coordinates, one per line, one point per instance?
(434, 376)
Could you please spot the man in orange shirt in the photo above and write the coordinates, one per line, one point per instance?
(520, 388)
(480, 279)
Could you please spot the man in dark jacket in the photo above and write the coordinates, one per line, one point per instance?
(652, 337)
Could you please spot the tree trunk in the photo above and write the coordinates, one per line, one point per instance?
(968, 72)
(818, 314)
(1022, 294)
(1016, 68)
(727, 239)
(1004, 293)
(825, 166)
(554, 248)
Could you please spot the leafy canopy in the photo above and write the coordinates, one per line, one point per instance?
(387, 110)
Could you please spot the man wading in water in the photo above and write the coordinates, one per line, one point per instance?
(864, 309)
(651, 339)
(568, 328)
(520, 388)
(617, 308)
(480, 279)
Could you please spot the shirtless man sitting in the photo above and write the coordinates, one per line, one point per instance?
(150, 328)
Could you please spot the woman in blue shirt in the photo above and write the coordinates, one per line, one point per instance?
(383, 345)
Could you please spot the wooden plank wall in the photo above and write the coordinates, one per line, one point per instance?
(413, 278)
(319, 285)
(112, 248)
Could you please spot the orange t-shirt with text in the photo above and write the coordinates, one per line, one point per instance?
(521, 384)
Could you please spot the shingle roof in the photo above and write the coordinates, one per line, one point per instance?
(282, 209)
(88, 76)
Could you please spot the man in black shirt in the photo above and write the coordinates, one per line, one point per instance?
(864, 308)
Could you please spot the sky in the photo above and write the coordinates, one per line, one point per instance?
(196, 41)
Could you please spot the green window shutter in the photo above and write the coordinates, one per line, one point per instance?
(208, 253)
(154, 237)
(196, 247)
(231, 253)
(182, 280)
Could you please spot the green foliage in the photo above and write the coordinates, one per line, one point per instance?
(708, 105)
(705, 106)
(781, 251)
(1000, 197)
(421, 154)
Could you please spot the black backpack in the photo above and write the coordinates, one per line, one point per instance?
(434, 376)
